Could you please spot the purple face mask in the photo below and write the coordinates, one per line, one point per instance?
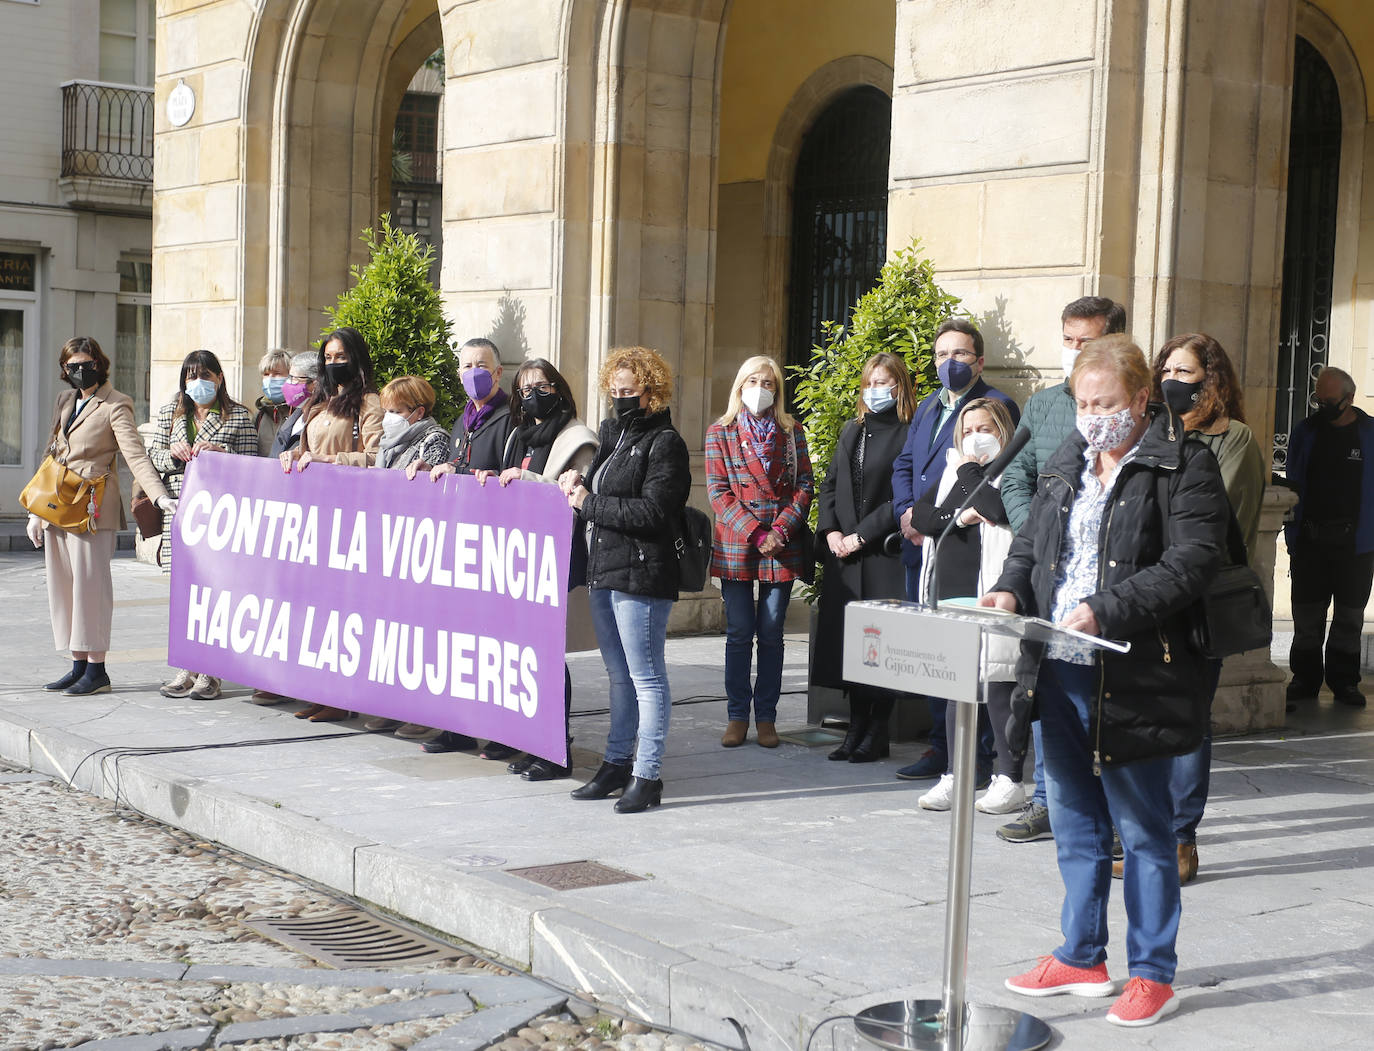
(477, 382)
(294, 394)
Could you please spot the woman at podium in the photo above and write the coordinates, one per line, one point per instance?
(1126, 529)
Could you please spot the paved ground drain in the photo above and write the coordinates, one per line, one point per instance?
(348, 938)
(572, 875)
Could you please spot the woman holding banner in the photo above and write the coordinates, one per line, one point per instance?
(201, 418)
(548, 440)
(631, 499)
(91, 423)
(409, 433)
(343, 425)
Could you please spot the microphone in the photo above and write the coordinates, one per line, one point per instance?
(991, 474)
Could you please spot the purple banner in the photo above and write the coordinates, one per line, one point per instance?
(440, 603)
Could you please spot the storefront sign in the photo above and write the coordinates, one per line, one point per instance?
(440, 603)
(16, 271)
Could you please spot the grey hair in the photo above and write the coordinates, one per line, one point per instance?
(1347, 381)
(306, 363)
(277, 358)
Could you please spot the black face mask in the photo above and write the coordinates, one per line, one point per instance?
(541, 404)
(1181, 397)
(338, 372)
(627, 408)
(82, 374)
(1327, 412)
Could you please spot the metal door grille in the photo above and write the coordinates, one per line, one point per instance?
(839, 215)
(1309, 246)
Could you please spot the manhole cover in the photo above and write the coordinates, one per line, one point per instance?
(570, 875)
(348, 938)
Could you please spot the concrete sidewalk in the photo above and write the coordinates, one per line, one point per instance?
(773, 886)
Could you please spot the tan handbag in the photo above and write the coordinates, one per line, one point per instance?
(59, 495)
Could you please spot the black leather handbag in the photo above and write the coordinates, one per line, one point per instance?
(693, 543)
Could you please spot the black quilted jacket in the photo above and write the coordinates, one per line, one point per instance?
(1152, 701)
(640, 481)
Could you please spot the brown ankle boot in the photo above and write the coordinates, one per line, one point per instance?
(1187, 863)
(768, 735)
(736, 730)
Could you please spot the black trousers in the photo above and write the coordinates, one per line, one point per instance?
(1326, 575)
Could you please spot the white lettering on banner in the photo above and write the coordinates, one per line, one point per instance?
(356, 559)
(505, 671)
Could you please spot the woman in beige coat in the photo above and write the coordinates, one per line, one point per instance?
(91, 423)
(343, 425)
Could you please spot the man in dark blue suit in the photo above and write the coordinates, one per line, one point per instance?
(959, 364)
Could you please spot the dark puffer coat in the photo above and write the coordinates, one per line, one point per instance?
(640, 479)
(1152, 701)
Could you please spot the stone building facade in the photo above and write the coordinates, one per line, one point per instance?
(76, 198)
(629, 171)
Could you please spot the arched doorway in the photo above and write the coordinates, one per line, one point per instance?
(1309, 249)
(839, 214)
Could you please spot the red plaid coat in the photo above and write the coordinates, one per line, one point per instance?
(744, 497)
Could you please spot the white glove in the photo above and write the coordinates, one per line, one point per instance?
(35, 530)
(167, 505)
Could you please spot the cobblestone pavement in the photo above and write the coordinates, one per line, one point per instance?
(123, 934)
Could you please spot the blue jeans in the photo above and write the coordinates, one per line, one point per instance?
(744, 621)
(1083, 808)
(631, 631)
(1038, 796)
(1191, 776)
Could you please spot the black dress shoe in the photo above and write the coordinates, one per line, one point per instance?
(1350, 696)
(520, 764)
(70, 679)
(448, 741)
(496, 750)
(641, 795)
(609, 778)
(873, 747)
(90, 682)
(543, 770)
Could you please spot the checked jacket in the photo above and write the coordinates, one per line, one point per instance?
(744, 497)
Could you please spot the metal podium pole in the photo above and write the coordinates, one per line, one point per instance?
(951, 1023)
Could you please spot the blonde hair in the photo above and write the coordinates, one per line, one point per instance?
(409, 391)
(273, 360)
(648, 368)
(752, 365)
(1119, 355)
(994, 408)
(896, 367)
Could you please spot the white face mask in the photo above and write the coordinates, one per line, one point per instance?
(1104, 433)
(982, 447)
(757, 400)
(1067, 356)
(393, 424)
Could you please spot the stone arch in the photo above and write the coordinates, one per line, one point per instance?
(811, 99)
(1317, 28)
(312, 159)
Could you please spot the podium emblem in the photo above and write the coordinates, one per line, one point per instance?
(873, 638)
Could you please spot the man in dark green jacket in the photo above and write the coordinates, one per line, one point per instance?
(1050, 416)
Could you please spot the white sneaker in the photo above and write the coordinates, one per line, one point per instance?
(205, 689)
(1002, 797)
(180, 685)
(941, 796)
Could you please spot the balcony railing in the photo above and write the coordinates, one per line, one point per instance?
(107, 131)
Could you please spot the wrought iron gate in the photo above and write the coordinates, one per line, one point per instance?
(839, 215)
(1309, 246)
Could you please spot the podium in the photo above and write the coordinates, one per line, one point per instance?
(913, 648)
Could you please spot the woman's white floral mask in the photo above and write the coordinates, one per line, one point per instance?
(1103, 433)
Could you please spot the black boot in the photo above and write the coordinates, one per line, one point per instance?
(860, 716)
(70, 679)
(544, 770)
(874, 745)
(609, 778)
(641, 795)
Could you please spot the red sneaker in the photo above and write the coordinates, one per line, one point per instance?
(1049, 977)
(1143, 1002)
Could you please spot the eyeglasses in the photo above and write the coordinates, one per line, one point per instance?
(536, 388)
(963, 354)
